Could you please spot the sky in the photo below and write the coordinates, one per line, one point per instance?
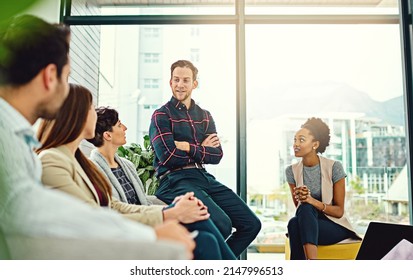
(366, 57)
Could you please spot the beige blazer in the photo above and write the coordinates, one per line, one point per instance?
(61, 171)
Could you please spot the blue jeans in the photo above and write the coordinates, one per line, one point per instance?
(311, 226)
(227, 209)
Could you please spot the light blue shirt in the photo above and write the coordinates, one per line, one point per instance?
(17, 149)
(28, 208)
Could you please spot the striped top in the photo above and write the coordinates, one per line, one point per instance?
(174, 122)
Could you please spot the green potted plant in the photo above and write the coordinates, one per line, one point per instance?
(143, 159)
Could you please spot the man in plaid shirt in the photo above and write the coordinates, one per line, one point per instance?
(184, 138)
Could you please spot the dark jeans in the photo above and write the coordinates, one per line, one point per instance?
(227, 209)
(311, 226)
(210, 245)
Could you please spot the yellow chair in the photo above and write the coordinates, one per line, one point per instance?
(344, 250)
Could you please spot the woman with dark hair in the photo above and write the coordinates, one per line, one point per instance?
(110, 134)
(318, 189)
(67, 169)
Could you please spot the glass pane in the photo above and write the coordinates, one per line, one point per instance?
(145, 7)
(135, 72)
(351, 77)
(321, 7)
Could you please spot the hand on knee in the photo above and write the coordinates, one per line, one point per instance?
(187, 210)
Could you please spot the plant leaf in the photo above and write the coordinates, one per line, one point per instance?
(146, 142)
(145, 176)
(121, 151)
(143, 161)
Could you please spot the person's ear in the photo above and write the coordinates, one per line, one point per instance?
(107, 136)
(50, 78)
(195, 84)
(316, 144)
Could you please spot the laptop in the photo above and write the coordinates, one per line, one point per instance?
(380, 238)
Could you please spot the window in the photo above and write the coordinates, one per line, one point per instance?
(195, 55)
(340, 74)
(297, 56)
(151, 83)
(141, 88)
(195, 32)
(151, 32)
(151, 57)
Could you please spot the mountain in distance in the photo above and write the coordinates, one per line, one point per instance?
(393, 110)
(313, 98)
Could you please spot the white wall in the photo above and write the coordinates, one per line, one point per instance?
(48, 10)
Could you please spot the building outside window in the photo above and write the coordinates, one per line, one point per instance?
(151, 57)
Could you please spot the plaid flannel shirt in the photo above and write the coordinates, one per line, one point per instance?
(174, 122)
